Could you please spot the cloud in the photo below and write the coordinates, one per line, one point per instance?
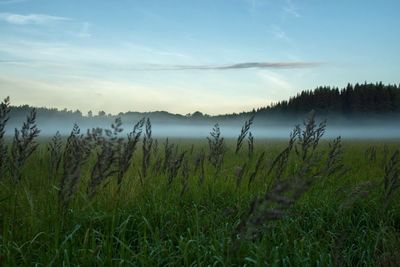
(123, 66)
(123, 59)
(19, 19)
(245, 65)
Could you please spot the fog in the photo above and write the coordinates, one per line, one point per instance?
(276, 132)
(349, 130)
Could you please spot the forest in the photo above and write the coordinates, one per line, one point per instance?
(358, 99)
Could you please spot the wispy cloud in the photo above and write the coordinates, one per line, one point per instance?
(125, 66)
(19, 19)
(126, 58)
(245, 65)
(121, 57)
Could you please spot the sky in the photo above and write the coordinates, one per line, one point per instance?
(182, 56)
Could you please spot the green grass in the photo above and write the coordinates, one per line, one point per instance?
(152, 224)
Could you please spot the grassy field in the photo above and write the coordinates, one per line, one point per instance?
(99, 200)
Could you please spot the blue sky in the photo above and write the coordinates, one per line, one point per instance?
(181, 56)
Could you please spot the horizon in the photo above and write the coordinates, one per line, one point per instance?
(216, 57)
(62, 109)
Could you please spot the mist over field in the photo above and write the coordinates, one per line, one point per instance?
(276, 132)
(280, 129)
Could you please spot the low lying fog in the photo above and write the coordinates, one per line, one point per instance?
(163, 130)
(275, 132)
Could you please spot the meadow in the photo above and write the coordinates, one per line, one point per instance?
(101, 198)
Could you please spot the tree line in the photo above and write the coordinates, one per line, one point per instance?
(352, 99)
(358, 100)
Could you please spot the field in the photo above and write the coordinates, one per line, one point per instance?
(98, 199)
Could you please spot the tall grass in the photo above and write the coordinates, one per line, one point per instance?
(307, 202)
(243, 133)
(4, 117)
(23, 145)
(216, 147)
